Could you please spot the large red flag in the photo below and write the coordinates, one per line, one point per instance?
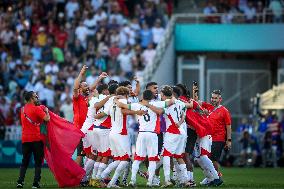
(61, 139)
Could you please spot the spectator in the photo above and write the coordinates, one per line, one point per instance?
(245, 126)
(36, 51)
(209, 9)
(145, 35)
(269, 151)
(250, 12)
(41, 37)
(158, 32)
(67, 109)
(71, 7)
(61, 37)
(249, 149)
(82, 33)
(125, 63)
(148, 55)
(277, 10)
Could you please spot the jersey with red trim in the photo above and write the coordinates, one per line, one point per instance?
(150, 121)
(80, 109)
(218, 117)
(105, 121)
(118, 120)
(173, 114)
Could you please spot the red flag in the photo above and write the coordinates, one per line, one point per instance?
(198, 121)
(61, 139)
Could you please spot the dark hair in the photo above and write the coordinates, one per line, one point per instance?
(184, 90)
(101, 88)
(112, 82)
(217, 92)
(112, 88)
(124, 91)
(167, 91)
(124, 83)
(150, 84)
(28, 95)
(176, 91)
(148, 95)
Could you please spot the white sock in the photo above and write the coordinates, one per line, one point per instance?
(209, 167)
(183, 173)
(126, 172)
(134, 170)
(96, 166)
(151, 171)
(89, 164)
(177, 170)
(101, 168)
(109, 169)
(167, 168)
(122, 165)
(190, 175)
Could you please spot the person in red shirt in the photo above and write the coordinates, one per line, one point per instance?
(220, 120)
(32, 115)
(81, 92)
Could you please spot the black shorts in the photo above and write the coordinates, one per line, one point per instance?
(216, 150)
(160, 142)
(191, 139)
(80, 148)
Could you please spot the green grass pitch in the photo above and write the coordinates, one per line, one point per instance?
(233, 178)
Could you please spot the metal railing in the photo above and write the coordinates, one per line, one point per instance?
(265, 17)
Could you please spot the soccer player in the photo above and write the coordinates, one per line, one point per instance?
(147, 141)
(91, 141)
(220, 120)
(118, 136)
(191, 136)
(81, 91)
(174, 138)
(102, 128)
(32, 115)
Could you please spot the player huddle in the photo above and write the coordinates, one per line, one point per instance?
(171, 126)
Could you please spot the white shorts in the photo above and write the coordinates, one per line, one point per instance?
(174, 144)
(101, 137)
(89, 143)
(119, 146)
(203, 146)
(147, 145)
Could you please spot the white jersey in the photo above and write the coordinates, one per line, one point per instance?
(98, 122)
(173, 114)
(118, 120)
(90, 115)
(150, 121)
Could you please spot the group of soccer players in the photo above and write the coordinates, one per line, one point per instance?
(172, 128)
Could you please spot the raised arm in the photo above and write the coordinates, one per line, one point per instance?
(138, 87)
(78, 81)
(101, 77)
(46, 117)
(99, 105)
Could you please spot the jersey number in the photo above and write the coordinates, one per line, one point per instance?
(114, 110)
(146, 117)
(178, 116)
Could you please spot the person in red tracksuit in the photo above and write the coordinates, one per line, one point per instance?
(32, 115)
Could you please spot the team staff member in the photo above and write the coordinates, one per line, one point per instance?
(81, 92)
(32, 115)
(220, 120)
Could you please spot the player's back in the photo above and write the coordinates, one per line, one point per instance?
(118, 120)
(173, 115)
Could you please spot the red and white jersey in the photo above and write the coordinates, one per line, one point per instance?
(105, 121)
(173, 114)
(150, 121)
(118, 120)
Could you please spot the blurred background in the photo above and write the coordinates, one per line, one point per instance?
(236, 46)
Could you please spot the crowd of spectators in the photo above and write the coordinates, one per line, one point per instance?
(249, 11)
(261, 143)
(44, 43)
